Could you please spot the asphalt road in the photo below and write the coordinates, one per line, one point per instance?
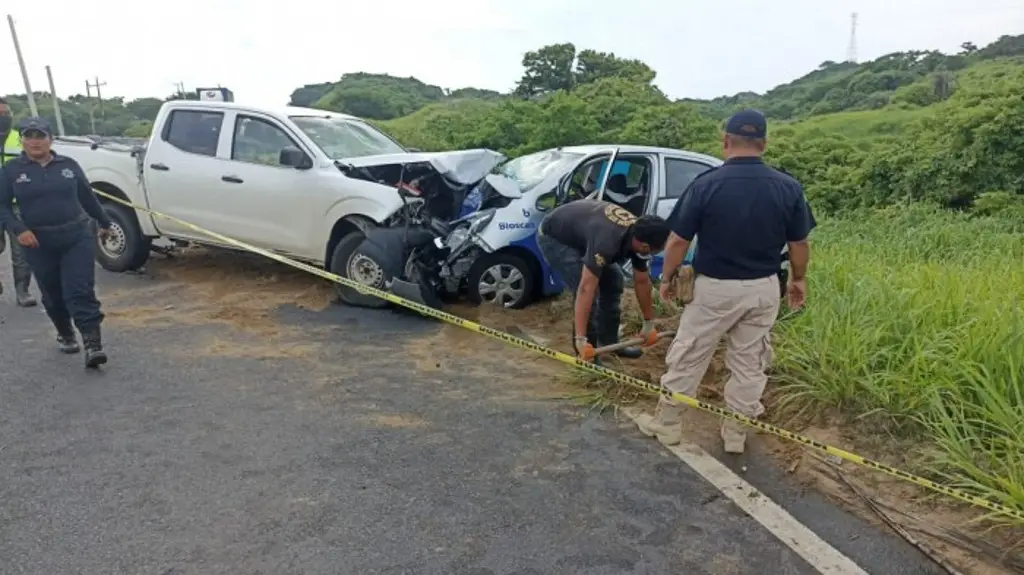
(348, 450)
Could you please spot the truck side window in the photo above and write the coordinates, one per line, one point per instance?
(679, 174)
(194, 131)
(258, 141)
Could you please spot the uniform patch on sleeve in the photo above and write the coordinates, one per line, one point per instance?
(599, 260)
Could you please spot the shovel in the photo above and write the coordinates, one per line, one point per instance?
(629, 343)
(413, 291)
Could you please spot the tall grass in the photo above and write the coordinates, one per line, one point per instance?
(916, 320)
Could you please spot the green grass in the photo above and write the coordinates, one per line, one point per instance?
(915, 324)
(861, 125)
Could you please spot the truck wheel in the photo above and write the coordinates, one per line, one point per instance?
(505, 280)
(126, 249)
(359, 268)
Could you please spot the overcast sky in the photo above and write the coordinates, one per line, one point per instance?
(262, 50)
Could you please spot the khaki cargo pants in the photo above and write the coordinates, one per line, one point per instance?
(743, 311)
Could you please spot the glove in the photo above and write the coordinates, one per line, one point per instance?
(584, 349)
(649, 332)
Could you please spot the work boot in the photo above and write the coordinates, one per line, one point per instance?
(21, 293)
(734, 436)
(67, 342)
(666, 424)
(94, 354)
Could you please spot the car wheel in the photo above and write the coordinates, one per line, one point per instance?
(359, 268)
(125, 249)
(505, 280)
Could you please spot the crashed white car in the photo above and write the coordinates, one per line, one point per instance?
(290, 180)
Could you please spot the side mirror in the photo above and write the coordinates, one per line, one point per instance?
(295, 158)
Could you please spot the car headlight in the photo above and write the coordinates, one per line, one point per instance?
(458, 236)
(479, 220)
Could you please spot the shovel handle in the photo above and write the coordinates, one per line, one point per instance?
(628, 343)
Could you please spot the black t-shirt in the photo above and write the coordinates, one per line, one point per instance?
(601, 231)
(744, 213)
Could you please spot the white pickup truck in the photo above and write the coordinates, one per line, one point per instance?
(301, 182)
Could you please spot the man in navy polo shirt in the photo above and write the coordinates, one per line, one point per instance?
(57, 208)
(745, 212)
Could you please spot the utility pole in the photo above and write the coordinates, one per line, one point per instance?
(24, 73)
(851, 50)
(99, 97)
(56, 103)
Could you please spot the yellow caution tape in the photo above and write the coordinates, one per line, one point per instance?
(567, 359)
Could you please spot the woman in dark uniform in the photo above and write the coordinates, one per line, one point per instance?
(57, 206)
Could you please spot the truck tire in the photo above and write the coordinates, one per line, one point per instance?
(509, 277)
(340, 265)
(127, 249)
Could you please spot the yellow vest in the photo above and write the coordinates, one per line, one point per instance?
(12, 146)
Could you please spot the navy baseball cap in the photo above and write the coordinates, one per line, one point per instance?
(748, 123)
(34, 123)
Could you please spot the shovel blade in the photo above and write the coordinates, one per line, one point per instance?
(408, 290)
(413, 291)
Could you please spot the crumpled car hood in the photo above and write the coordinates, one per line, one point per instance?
(463, 167)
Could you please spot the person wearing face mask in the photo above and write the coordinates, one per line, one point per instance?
(10, 147)
(584, 241)
(55, 228)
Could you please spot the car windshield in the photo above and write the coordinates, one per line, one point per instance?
(341, 138)
(532, 169)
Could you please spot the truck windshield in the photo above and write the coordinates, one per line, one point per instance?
(341, 138)
(532, 169)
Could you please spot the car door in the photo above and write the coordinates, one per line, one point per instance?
(678, 172)
(588, 178)
(181, 171)
(271, 205)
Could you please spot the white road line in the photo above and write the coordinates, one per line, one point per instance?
(806, 543)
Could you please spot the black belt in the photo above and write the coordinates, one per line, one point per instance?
(84, 218)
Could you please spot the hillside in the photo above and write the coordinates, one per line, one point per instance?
(857, 135)
(906, 126)
(378, 96)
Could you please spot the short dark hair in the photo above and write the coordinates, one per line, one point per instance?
(747, 142)
(651, 230)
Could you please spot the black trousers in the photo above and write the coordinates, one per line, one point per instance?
(22, 273)
(606, 313)
(65, 270)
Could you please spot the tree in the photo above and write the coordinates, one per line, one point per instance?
(307, 95)
(592, 66)
(547, 70)
(968, 48)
